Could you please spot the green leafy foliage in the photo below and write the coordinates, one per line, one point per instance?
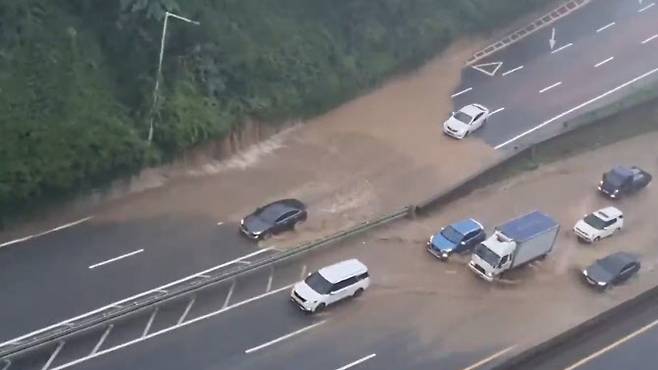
(76, 76)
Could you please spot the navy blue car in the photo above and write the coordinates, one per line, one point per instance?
(459, 237)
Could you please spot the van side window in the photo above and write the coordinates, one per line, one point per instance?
(344, 283)
(363, 276)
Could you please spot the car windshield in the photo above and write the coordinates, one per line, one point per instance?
(487, 254)
(318, 283)
(452, 235)
(614, 178)
(463, 117)
(594, 221)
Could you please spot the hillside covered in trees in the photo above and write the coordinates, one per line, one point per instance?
(77, 76)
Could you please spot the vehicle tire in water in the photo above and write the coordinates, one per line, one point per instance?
(358, 292)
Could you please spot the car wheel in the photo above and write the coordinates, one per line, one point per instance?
(320, 307)
(265, 235)
(597, 238)
(357, 293)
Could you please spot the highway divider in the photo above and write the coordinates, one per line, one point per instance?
(187, 286)
(524, 359)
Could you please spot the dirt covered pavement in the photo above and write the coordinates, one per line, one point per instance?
(537, 301)
(374, 154)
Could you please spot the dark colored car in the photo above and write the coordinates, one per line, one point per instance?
(622, 180)
(273, 218)
(611, 270)
(459, 237)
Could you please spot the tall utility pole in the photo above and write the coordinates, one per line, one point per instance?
(159, 73)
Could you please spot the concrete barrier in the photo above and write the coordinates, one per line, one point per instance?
(524, 359)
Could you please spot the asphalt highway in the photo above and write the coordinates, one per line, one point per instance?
(627, 342)
(51, 278)
(602, 52)
(419, 313)
(70, 272)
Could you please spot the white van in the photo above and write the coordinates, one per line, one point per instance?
(331, 284)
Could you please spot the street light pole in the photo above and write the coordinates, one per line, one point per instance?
(159, 72)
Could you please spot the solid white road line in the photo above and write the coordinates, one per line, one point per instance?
(496, 111)
(561, 48)
(605, 27)
(646, 8)
(488, 359)
(118, 303)
(230, 293)
(53, 356)
(169, 329)
(580, 106)
(187, 310)
(650, 39)
(26, 238)
(550, 87)
(102, 340)
(613, 345)
(361, 360)
(461, 92)
(512, 70)
(282, 338)
(150, 322)
(116, 259)
(597, 65)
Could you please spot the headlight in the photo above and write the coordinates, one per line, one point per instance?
(489, 274)
(242, 222)
(601, 183)
(256, 233)
(599, 187)
(444, 255)
(431, 238)
(601, 283)
(616, 191)
(585, 272)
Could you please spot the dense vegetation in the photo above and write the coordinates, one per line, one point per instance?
(76, 76)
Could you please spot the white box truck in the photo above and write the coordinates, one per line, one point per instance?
(516, 242)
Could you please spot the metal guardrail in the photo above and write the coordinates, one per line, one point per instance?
(190, 285)
(523, 32)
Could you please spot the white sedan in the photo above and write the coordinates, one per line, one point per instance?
(465, 121)
(600, 224)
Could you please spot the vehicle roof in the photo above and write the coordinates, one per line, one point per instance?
(527, 226)
(617, 260)
(281, 206)
(471, 110)
(466, 226)
(338, 271)
(622, 171)
(608, 213)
